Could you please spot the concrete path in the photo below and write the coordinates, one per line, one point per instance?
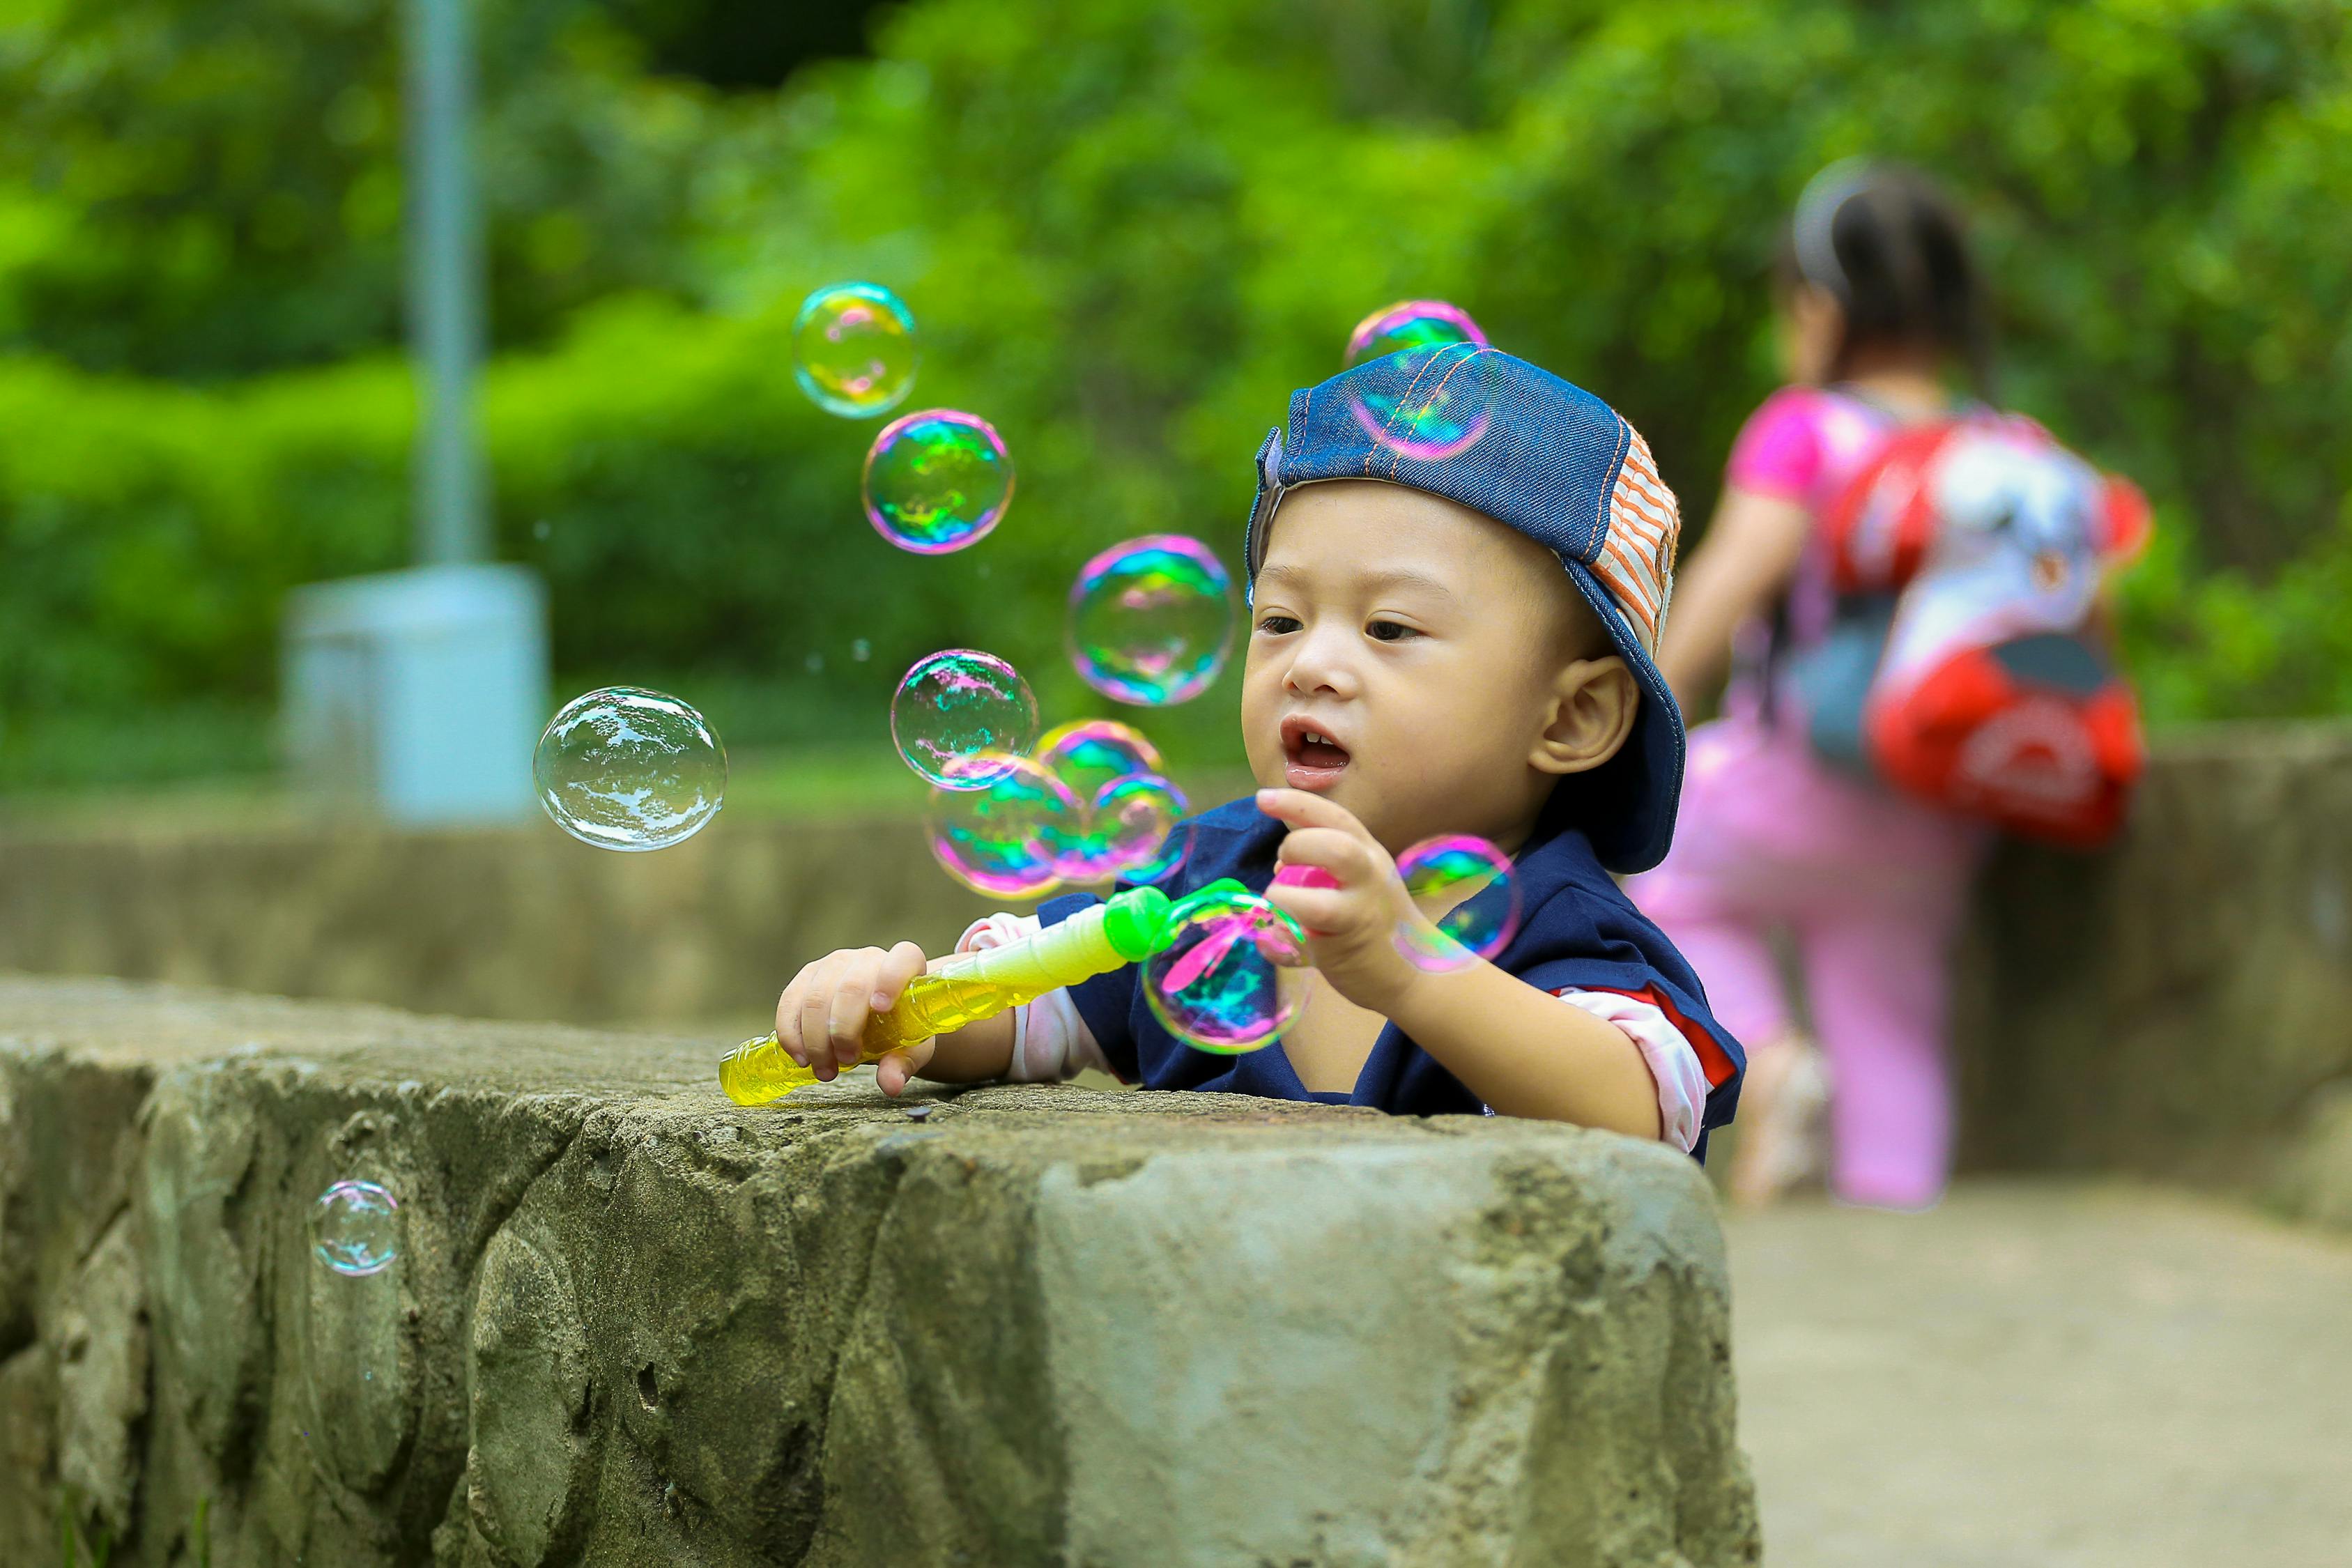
(2045, 1376)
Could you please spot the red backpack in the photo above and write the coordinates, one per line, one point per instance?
(1974, 549)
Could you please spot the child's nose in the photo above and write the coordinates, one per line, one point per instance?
(1320, 663)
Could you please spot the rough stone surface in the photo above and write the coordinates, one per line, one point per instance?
(2181, 1005)
(2175, 1007)
(632, 1323)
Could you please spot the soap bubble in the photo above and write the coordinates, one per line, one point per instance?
(854, 349)
(1410, 324)
(957, 709)
(1463, 885)
(1443, 409)
(355, 1228)
(1137, 820)
(937, 480)
(999, 837)
(1090, 752)
(623, 768)
(1151, 620)
(1231, 978)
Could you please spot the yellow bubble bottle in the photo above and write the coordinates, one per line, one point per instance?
(969, 987)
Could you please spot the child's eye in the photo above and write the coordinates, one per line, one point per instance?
(1276, 626)
(1390, 631)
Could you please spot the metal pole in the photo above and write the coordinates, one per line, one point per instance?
(445, 282)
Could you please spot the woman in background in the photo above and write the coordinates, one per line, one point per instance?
(1879, 315)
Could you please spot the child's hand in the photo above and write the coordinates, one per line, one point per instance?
(821, 1018)
(1352, 928)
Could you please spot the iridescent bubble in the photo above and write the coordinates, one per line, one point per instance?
(854, 349)
(955, 710)
(937, 480)
(355, 1228)
(623, 768)
(1151, 620)
(1463, 886)
(999, 837)
(1410, 324)
(1436, 403)
(1089, 753)
(1139, 821)
(1232, 976)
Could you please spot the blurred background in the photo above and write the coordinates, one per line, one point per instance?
(1128, 230)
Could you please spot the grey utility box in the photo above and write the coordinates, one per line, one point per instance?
(419, 694)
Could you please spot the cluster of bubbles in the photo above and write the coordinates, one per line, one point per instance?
(624, 768)
(1468, 902)
(1151, 620)
(1089, 805)
(1150, 623)
(355, 1228)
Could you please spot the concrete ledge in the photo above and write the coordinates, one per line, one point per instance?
(632, 1323)
(2178, 1006)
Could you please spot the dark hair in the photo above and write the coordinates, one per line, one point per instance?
(1892, 248)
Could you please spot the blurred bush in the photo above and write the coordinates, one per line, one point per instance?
(1128, 230)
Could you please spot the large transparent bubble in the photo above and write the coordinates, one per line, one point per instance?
(1464, 890)
(1233, 977)
(1002, 836)
(1410, 324)
(854, 349)
(937, 480)
(958, 713)
(355, 1228)
(624, 768)
(1434, 405)
(1151, 620)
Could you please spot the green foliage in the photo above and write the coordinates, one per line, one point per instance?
(1128, 227)
(201, 188)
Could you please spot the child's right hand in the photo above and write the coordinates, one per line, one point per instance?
(821, 1018)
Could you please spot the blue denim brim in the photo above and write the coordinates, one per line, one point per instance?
(1546, 467)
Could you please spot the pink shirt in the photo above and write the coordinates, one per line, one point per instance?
(1803, 444)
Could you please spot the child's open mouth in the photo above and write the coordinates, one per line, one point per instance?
(1315, 759)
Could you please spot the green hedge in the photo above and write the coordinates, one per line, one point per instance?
(1128, 229)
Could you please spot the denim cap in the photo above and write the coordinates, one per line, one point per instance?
(1496, 433)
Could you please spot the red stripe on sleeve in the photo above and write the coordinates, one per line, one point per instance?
(1713, 1059)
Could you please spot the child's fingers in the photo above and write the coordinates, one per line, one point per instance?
(894, 1069)
(1301, 810)
(852, 1003)
(788, 1005)
(1343, 855)
(1320, 911)
(899, 966)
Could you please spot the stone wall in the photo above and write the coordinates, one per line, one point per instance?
(631, 1323)
(2176, 1006)
(2181, 1007)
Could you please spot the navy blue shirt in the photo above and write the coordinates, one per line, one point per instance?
(1577, 930)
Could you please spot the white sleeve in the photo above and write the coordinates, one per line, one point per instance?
(1674, 1065)
(1050, 1040)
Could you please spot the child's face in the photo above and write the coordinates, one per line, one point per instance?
(1423, 666)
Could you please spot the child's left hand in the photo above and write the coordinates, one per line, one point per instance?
(1351, 929)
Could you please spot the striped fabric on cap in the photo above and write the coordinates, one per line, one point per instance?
(1637, 556)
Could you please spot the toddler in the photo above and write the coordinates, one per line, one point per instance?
(1441, 641)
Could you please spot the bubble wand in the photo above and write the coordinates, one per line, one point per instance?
(970, 986)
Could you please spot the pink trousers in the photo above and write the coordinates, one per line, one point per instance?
(1868, 889)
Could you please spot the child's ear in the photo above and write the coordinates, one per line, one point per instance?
(1593, 704)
